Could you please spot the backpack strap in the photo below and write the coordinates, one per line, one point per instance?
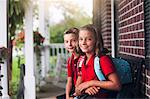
(97, 69)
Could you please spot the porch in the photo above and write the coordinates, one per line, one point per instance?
(51, 80)
(49, 90)
(125, 34)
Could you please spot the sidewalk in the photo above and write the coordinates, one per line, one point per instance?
(50, 91)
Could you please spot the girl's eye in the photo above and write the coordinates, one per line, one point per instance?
(89, 39)
(80, 39)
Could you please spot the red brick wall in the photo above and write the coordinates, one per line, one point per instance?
(131, 27)
(106, 22)
(131, 35)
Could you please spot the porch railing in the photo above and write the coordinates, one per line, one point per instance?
(57, 48)
(60, 68)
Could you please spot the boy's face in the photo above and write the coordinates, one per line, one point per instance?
(70, 42)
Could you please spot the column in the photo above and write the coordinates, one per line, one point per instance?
(29, 79)
(112, 30)
(3, 43)
(43, 19)
(42, 31)
(47, 38)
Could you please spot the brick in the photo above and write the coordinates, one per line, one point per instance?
(137, 42)
(141, 8)
(138, 18)
(142, 16)
(140, 35)
(132, 43)
(136, 51)
(141, 43)
(132, 51)
(140, 51)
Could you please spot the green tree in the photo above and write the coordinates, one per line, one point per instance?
(74, 16)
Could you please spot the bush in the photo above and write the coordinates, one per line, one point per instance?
(15, 77)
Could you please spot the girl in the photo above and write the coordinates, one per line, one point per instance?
(89, 83)
(71, 45)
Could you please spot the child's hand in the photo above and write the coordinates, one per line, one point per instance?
(71, 98)
(92, 90)
(74, 94)
(77, 92)
(82, 86)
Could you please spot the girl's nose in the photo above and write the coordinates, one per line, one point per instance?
(84, 41)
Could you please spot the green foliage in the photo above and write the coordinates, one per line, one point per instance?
(16, 11)
(57, 33)
(74, 16)
(57, 30)
(16, 14)
(20, 38)
(38, 38)
(15, 76)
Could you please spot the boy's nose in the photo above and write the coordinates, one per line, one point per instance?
(70, 43)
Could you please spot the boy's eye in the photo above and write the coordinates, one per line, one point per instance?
(66, 41)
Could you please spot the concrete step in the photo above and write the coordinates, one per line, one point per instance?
(50, 90)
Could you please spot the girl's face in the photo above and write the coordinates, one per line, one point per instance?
(70, 42)
(86, 41)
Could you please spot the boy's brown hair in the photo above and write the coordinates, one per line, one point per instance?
(72, 30)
